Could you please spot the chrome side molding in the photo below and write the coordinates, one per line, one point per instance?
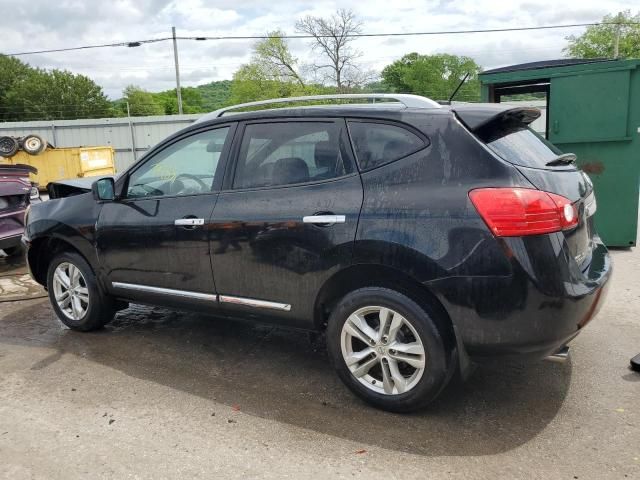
(249, 302)
(166, 291)
(252, 302)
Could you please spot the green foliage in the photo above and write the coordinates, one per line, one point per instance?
(270, 74)
(598, 40)
(435, 76)
(36, 94)
(274, 59)
(140, 102)
(215, 94)
(13, 72)
(251, 83)
(200, 99)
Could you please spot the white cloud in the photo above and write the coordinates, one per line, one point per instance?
(67, 23)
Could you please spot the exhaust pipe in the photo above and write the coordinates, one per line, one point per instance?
(561, 356)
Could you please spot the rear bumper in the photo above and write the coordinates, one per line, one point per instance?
(535, 311)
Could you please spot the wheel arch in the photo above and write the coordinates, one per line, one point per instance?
(377, 275)
(43, 249)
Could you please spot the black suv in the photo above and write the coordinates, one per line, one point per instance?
(420, 237)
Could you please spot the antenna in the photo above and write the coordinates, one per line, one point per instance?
(458, 87)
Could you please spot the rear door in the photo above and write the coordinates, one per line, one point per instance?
(287, 219)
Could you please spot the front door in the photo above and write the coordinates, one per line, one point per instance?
(287, 218)
(154, 242)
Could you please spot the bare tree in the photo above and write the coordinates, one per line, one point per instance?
(332, 37)
(274, 56)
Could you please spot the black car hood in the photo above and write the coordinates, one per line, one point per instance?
(476, 116)
(73, 186)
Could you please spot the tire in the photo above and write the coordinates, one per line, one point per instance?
(8, 146)
(411, 329)
(92, 314)
(14, 251)
(33, 144)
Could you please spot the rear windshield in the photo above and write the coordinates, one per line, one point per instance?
(517, 143)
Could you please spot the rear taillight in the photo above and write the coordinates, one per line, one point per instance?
(515, 212)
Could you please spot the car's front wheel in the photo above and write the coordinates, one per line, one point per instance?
(388, 350)
(75, 295)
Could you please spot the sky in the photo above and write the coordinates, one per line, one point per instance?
(48, 24)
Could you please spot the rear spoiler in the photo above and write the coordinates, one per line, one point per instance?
(477, 116)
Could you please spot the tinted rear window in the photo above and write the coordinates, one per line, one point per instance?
(516, 143)
(378, 143)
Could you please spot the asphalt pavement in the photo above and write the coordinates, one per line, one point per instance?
(166, 394)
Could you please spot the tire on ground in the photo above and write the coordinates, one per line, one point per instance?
(101, 308)
(439, 363)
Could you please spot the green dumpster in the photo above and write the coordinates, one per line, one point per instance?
(592, 110)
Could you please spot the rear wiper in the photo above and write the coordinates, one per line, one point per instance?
(564, 159)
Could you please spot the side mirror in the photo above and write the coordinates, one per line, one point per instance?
(104, 189)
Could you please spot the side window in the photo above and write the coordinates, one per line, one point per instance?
(185, 168)
(285, 153)
(378, 143)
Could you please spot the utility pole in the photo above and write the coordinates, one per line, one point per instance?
(132, 132)
(616, 45)
(175, 59)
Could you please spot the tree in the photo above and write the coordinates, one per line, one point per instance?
(276, 60)
(435, 76)
(251, 83)
(332, 37)
(13, 72)
(191, 100)
(141, 102)
(272, 73)
(56, 94)
(598, 41)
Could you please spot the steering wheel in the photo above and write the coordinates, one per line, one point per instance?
(203, 186)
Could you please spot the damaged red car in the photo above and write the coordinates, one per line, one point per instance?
(16, 193)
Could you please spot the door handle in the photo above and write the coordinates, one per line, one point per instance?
(324, 219)
(189, 222)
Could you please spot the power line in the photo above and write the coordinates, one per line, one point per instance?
(138, 43)
(135, 43)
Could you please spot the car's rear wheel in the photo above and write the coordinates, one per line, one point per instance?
(388, 350)
(75, 295)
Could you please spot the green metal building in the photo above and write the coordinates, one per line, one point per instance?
(593, 110)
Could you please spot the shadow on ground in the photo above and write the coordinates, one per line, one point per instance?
(285, 376)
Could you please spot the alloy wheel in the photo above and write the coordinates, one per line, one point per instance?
(70, 291)
(382, 350)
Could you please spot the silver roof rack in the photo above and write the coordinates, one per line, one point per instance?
(406, 100)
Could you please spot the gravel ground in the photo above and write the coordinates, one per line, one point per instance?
(163, 394)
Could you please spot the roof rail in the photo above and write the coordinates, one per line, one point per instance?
(409, 101)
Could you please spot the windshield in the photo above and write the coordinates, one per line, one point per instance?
(517, 143)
